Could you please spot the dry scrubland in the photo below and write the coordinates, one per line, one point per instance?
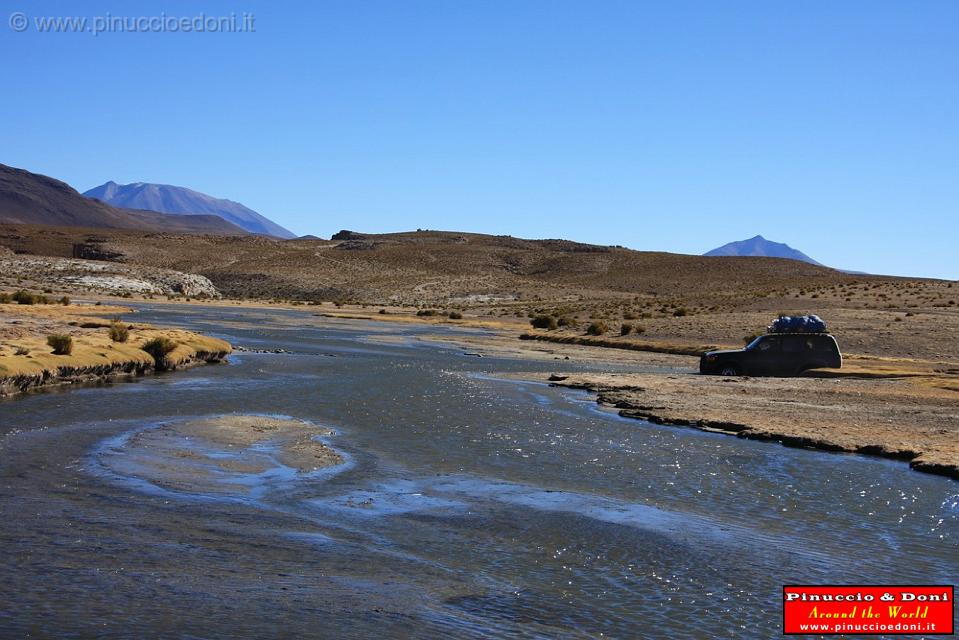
(95, 350)
(664, 301)
(606, 296)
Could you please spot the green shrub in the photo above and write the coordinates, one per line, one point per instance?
(544, 321)
(597, 328)
(119, 332)
(160, 348)
(456, 315)
(61, 343)
(24, 297)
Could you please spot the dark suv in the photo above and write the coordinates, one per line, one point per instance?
(775, 354)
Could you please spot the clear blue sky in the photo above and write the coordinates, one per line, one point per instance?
(832, 126)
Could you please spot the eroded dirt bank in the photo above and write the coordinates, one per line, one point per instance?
(902, 419)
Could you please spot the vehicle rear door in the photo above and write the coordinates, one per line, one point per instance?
(825, 351)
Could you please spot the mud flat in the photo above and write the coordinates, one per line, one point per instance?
(894, 418)
(232, 455)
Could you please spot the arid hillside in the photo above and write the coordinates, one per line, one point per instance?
(433, 267)
(31, 198)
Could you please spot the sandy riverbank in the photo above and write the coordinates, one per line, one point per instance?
(894, 418)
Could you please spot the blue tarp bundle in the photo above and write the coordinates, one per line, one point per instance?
(797, 324)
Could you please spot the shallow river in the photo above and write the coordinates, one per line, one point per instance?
(468, 505)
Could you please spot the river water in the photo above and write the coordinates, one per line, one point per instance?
(469, 505)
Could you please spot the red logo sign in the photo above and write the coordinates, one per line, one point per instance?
(868, 609)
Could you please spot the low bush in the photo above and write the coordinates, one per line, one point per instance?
(456, 315)
(21, 351)
(160, 348)
(626, 329)
(61, 343)
(5, 298)
(597, 328)
(119, 332)
(65, 301)
(24, 297)
(427, 312)
(680, 312)
(544, 321)
(566, 321)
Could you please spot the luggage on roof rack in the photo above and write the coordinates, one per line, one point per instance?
(797, 324)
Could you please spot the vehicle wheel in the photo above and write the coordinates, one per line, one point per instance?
(729, 371)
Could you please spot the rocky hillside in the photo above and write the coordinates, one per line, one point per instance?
(18, 271)
(435, 267)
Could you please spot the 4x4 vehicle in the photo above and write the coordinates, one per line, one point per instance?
(775, 354)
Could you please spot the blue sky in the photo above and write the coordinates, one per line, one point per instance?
(674, 126)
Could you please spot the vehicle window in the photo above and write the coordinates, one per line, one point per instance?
(793, 344)
(769, 344)
(824, 344)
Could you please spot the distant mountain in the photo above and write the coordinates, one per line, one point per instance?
(31, 198)
(180, 200)
(759, 246)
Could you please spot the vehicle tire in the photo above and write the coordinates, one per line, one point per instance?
(728, 370)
